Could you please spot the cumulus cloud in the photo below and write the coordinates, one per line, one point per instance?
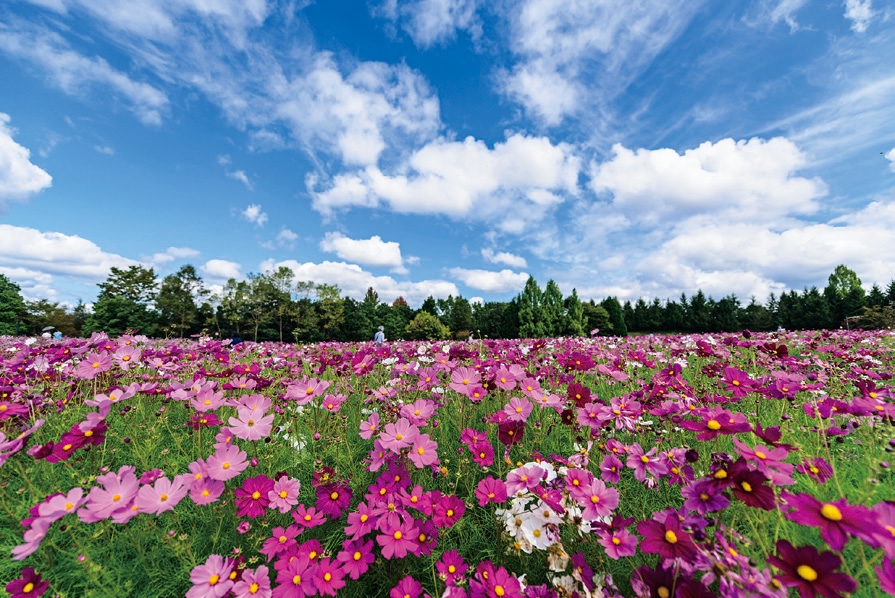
(286, 238)
(503, 257)
(430, 22)
(746, 180)
(860, 13)
(354, 281)
(19, 178)
(104, 149)
(254, 215)
(890, 156)
(490, 282)
(458, 178)
(74, 73)
(56, 253)
(369, 252)
(221, 270)
(34, 285)
(169, 255)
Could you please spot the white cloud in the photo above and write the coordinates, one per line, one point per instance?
(354, 281)
(157, 19)
(221, 270)
(104, 149)
(430, 22)
(860, 13)
(490, 282)
(73, 73)
(573, 51)
(369, 252)
(56, 253)
(890, 156)
(503, 257)
(19, 178)
(746, 180)
(774, 11)
(169, 255)
(356, 115)
(34, 285)
(462, 178)
(224, 159)
(286, 238)
(254, 215)
(240, 175)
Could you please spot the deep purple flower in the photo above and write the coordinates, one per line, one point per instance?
(666, 539)
(333, 499)
(812, 572)
(28, 585)
(837, 519)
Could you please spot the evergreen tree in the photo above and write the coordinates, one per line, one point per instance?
(461, 320)
(628, 313)
(876, 298)
(235, 305)
(430, 306)
(531, 324)
(844, 294)
(552, 310)
(616, 316)
(673, 317)
(575, 321)
(699, 314)
(597, 318)
(725, 315)
(815, 313)
(330, 310)
(757, 317)
(12, 307)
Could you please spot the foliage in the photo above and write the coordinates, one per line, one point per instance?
(425, 326)
(12, 306)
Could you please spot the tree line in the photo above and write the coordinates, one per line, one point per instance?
(274, 306)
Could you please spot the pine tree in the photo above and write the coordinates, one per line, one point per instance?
(531, 324)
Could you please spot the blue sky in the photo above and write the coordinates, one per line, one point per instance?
(449, 146)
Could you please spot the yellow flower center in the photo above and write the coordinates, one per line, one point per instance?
(213, 580)
(398, 436)
(253, 589)
(663, 592)
(595, 499)
(327, 576)
(498, 590)
(670, 537)
(450, 512)
(334, 495)
(831, 512)
(398, 535)
(256, 495)
(88, 433)
(283, 539)
(296, 580)
(616, 541)
(69, 506)
(28, 587)
(363, 518)
(451, 569)
(806, 573)
(357, 555)
(226, 465)
(760, 455)
(283, 494)
(116, 498)
(420, 451)
(746, 486)
(644, 459)
(163, 497)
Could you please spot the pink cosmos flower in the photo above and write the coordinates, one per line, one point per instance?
(329, 577)
(211, 579)
(424, 451)
(207, 399)
(61, 505)
(464, 379)
(281, 542)
(161, 496)
(406, 588)
(643, 463)
(489, 583)
(360, 522)
(370, 426)
(524, 478)
(127, 356)
(491, 490)
(254, 584)
(597, 500)
(116, 493)
(398, 537)
(284, 495)
(304, 391)
(505, 377)
(307, 518)
(332, 403)
(250, 425)
(398, 435)
(227, 463)
(451, 567)
(296, 579)
(206, 491)
(356, 557)
(618, 543)
(483, 453)
(32, 538)
(93, 364)
(518, 409)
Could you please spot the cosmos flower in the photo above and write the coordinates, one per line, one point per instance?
(812, 572)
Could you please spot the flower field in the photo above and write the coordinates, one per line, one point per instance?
(667, 466)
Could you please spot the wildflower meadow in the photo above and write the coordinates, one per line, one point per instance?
(748, 464)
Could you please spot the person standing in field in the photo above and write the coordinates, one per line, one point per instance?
(379, 337)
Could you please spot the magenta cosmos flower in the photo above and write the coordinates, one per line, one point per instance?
(407, 588)
(356, 557)
(212, 579)
(812, 572)
(398, 537)
(333, 499)
(329, 577)
(837, 520)
(252, 498)
(28, 585)
(666, 539)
